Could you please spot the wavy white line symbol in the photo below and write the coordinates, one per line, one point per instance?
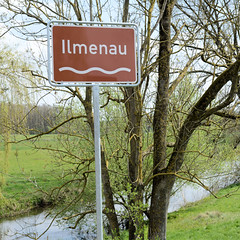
(95, 69)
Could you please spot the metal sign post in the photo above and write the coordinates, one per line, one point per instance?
(98, 162)
(93, 54)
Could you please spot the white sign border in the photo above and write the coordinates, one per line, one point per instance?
(89, 84)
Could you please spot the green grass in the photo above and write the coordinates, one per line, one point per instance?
(209, 218)
(29, 170)
(27, 165)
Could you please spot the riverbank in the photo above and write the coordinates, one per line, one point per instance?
(210, 218)
(12, 208)
(33, 178)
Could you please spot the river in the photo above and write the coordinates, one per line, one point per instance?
(35, 224)
(31, 226)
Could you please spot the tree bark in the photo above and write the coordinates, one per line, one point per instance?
(162, 183)
(107, 189)
(134, 113)
(108, 194)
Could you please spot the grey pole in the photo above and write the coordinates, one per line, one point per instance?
(98, 162)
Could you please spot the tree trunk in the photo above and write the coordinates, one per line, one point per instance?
(159, 206)
(134, 109)
(109, 203)
(107, 189)
(162, 183)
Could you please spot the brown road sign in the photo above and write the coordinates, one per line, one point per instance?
(93, 54)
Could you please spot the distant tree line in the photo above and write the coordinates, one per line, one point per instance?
(28, 118)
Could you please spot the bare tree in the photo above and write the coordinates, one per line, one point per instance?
(226, 68)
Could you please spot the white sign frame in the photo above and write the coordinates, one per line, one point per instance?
(88, 84)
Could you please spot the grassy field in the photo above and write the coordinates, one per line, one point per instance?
(28, 172)
(209, 218)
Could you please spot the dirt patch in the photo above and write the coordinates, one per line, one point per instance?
(211, 214)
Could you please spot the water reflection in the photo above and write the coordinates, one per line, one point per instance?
(32, 226)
